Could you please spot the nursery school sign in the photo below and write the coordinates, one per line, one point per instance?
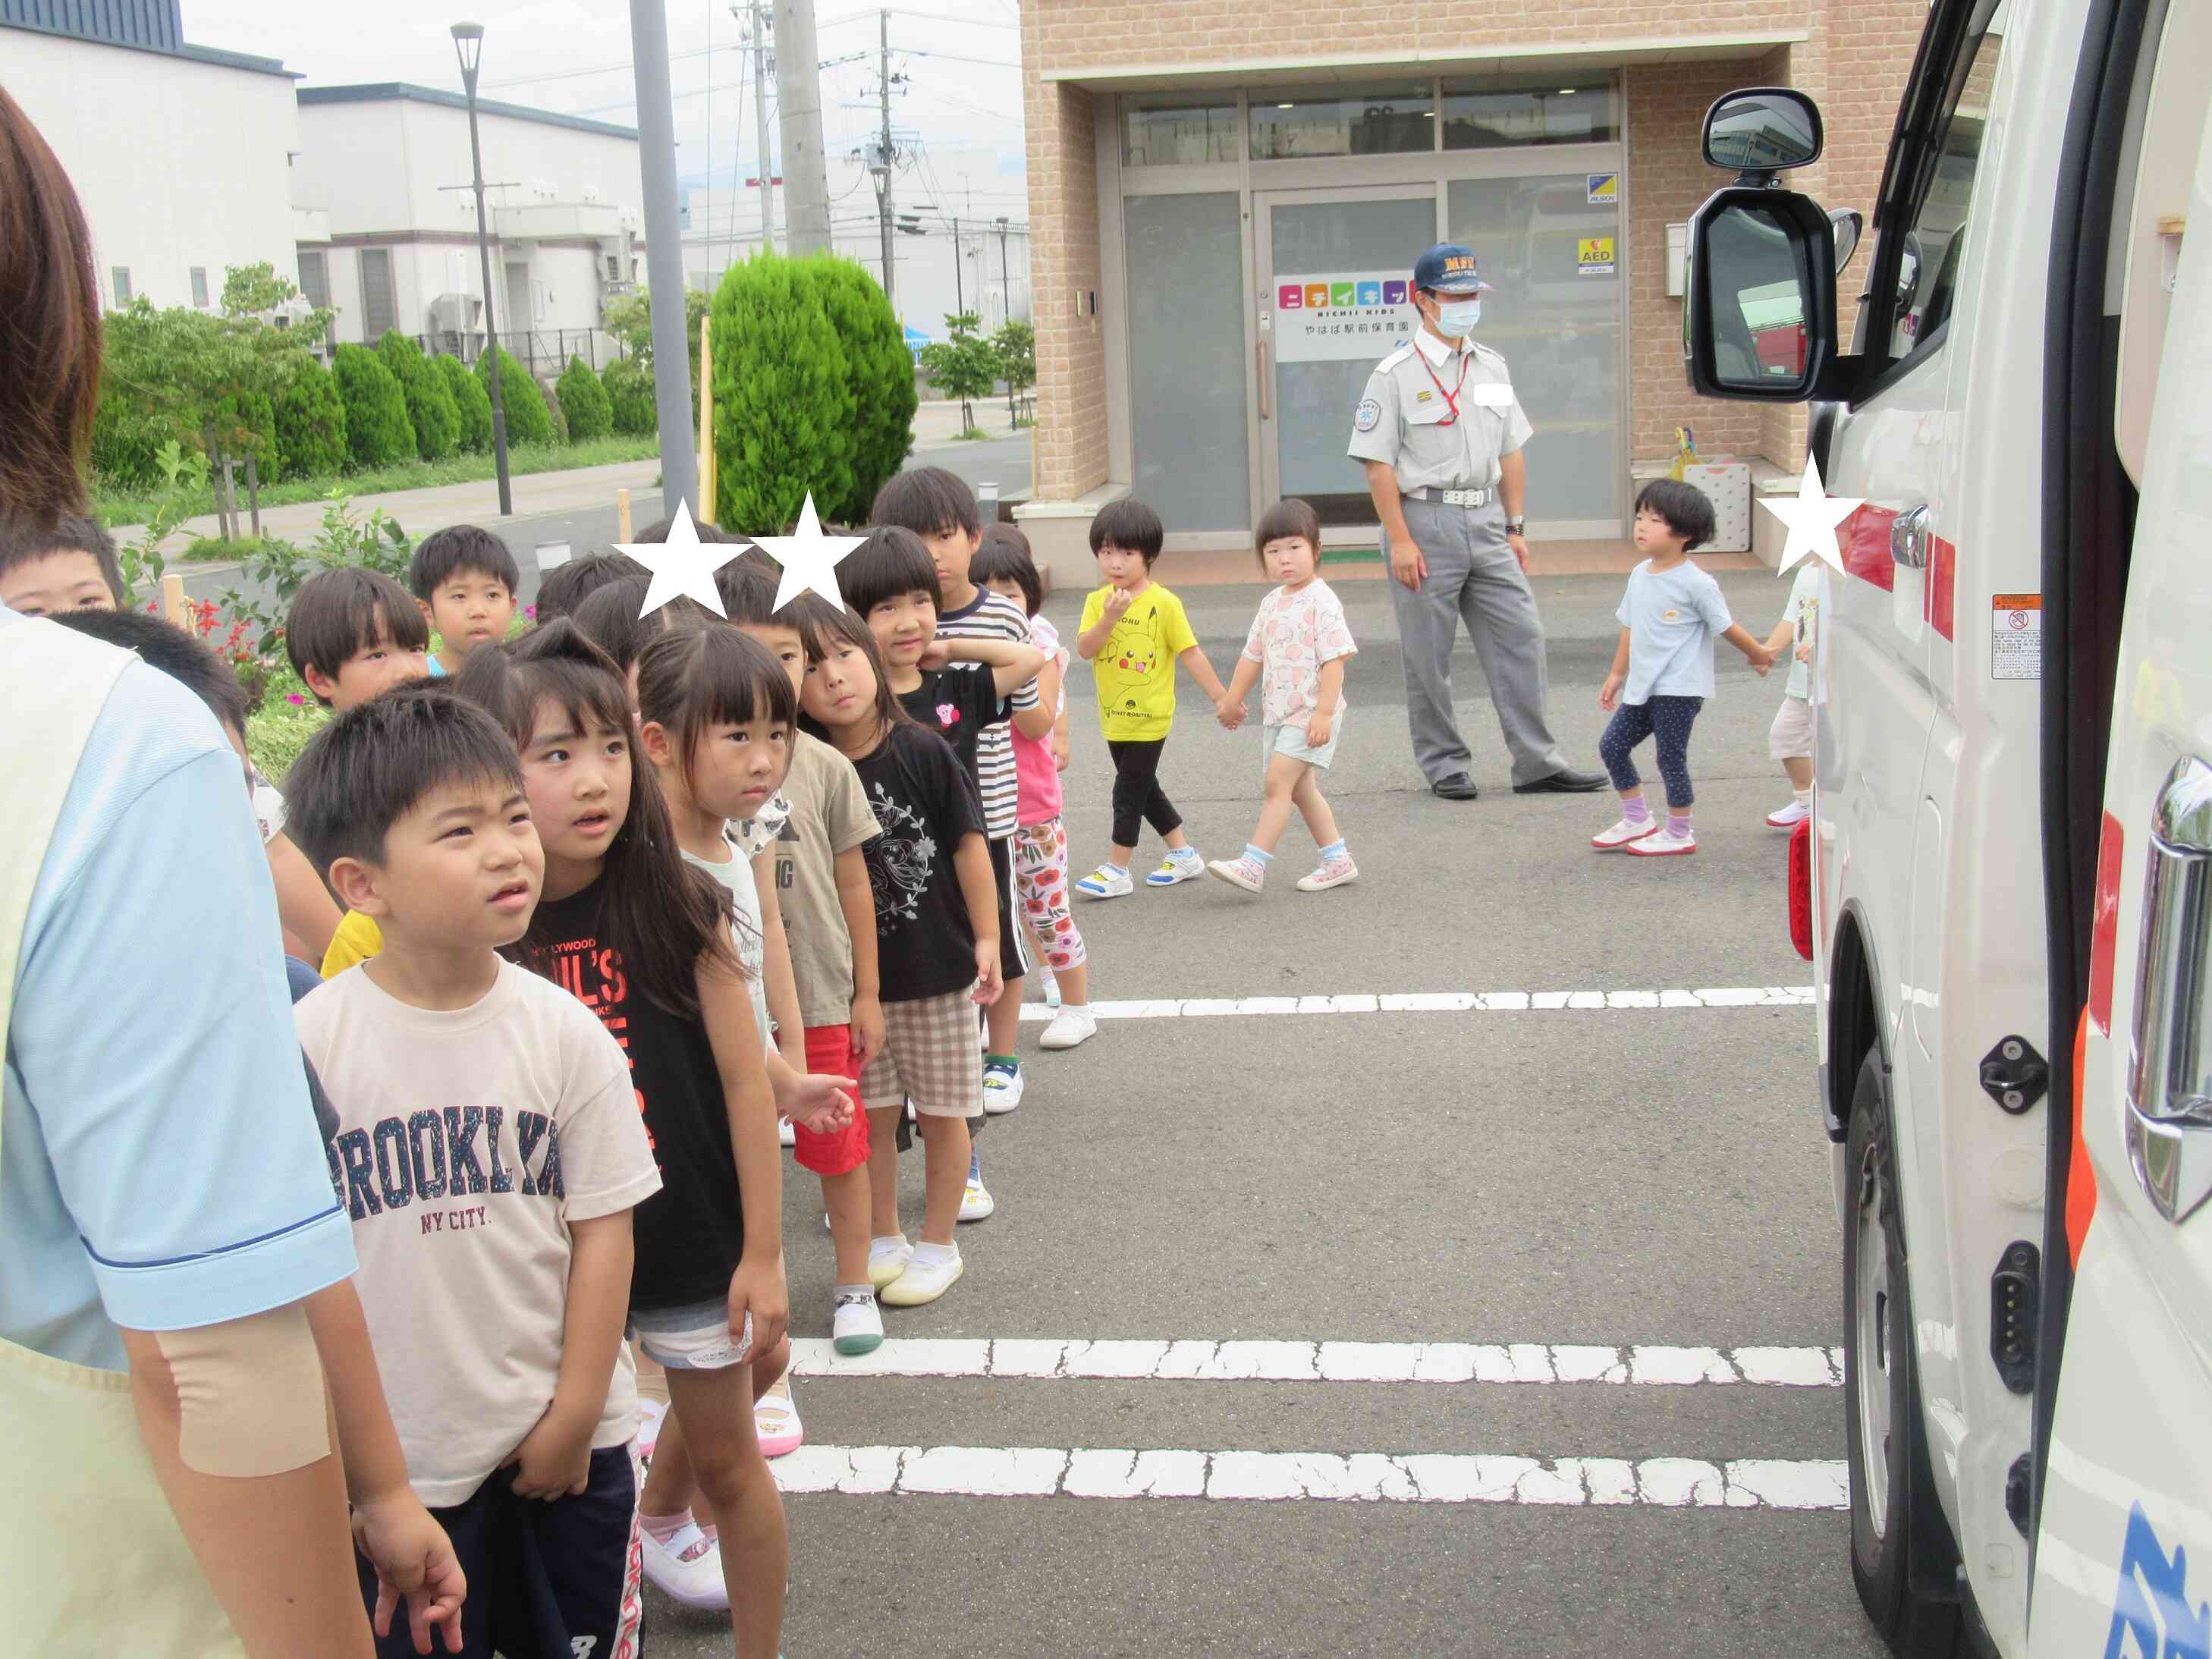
(1356, 317)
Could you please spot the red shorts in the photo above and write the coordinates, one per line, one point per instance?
(829, 1048)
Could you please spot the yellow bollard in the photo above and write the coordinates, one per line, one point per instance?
(622, 516)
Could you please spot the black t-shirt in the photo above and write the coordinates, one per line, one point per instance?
(925, 946)
(957, 703)
(690, 1234)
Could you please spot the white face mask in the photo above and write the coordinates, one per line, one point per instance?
(1458, 317)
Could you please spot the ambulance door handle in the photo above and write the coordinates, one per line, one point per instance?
(1259, 353)
(1908, 537)
(2169, 1093)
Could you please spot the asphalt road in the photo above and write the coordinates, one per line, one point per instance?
(1615, 1176)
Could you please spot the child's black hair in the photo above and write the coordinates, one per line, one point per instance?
(370, 766)
(748, 594)
(709, 676)
(660, 915)
(1129, 525)
(891, 563)
(929, 502)
(658, 531)
(165, 645)
(24, 539)
(1687, 509)
(342, 611)
(457, 548)
(1285, 518)
(565, 586)
(822, 628)
(610, 619)
(1005, 557)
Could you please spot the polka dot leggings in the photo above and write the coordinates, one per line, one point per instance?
(1668, 718)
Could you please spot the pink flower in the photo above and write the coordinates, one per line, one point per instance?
(296, 700)
(531, 612)
(947, 715)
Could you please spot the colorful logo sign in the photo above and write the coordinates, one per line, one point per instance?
(1291, 296)
(1343, 293)
(1593, 256)
(1316, 293)
(1601, 187)
(1370, 293)
(1394, 293)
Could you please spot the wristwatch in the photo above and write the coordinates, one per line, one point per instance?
(1517, 526)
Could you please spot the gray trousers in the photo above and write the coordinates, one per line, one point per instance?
(1473, 578)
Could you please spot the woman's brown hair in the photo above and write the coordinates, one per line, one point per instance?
(49, 328)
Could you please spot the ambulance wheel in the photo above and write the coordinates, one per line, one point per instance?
(1895, 1518)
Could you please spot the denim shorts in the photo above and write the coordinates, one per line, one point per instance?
(692, 1338)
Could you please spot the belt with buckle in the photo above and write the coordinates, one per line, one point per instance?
(1453, 498)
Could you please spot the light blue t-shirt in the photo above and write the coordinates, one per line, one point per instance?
(437, 669)
(160, 1166)
(1672, 618)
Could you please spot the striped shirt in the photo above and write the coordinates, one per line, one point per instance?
(993, 616)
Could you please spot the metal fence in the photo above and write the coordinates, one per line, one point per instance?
(543, 351)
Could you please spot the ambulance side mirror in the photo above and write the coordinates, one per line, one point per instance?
(1758, 308)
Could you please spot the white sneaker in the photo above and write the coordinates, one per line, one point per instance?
(1247, 872)
(1002, 1090)
(1104, 883)
(1182, 865)
(1330, 873)
(1663, 846)
(857, 1325)
(887, 1259)
(1069, 1027)
(976, 1203)
(688, 1568)
(1051, 987)
(785, 1135)
(1790, 817)
(1622, 833)
(920, 1283)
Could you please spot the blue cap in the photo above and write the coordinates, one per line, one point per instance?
(1448, 268)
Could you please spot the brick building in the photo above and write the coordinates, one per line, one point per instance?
(1225, 200)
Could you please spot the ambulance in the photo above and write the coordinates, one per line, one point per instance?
(2005, 886)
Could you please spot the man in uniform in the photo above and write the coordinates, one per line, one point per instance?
(1441, 433)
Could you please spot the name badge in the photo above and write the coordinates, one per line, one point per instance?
(1490, 397)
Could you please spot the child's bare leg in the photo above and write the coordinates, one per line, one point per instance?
(945, 1166)
(846, 1197)
(1800, 769)
(1004, 1018)
(883, 1174)
(669, 1487)
(1314, 808)
(1282, 782)
(1119, 855)
(733, 1477)
(1177, 842)
(1074, 985)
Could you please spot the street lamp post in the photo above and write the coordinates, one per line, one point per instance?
(468, 44)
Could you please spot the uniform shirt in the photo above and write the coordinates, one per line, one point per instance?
(1801, 613)
(1294, 635)
(1672, 618)
(994, 616)
(469, 1141)
(828, 816)
(159, 1167)
(1405, 415)
(1136, 667)
(925, 942)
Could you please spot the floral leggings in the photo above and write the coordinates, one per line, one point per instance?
(1040, 892)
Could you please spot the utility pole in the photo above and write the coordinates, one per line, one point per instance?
(468, 44)
(799, 114)
(761, 23)
(882, 169)
(959, 293)
(664, 256)
(1005, 282)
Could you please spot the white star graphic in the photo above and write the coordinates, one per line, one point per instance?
(809, 558)
(1812, 518)
(683, 566)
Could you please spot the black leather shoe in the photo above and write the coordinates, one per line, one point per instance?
(1455, 785)
(1567, 782)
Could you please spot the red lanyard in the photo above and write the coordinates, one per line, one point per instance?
(1451, 397)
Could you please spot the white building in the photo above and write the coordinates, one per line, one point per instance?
(398, 247)
(180, 154)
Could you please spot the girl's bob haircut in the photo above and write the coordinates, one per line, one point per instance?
(691, 681)
(1287, 518)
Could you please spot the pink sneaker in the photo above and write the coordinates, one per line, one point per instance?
(1239, 873)
(1330, 873)
(1622, 833)
(775, 1421)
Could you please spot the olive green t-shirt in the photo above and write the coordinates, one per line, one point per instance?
(829, 815)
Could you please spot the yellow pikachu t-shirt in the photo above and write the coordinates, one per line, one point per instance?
(1136, 668)
(357, 939)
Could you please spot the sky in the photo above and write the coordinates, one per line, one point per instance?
(963, 93)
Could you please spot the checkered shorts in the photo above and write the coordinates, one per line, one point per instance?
(932, 1050)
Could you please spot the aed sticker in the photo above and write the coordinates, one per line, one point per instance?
(1369, 413)
(1601, 187)
(1593, 256)
(2016, 636)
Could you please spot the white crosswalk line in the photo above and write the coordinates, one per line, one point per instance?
(1200, 1360)
(1446, 1002)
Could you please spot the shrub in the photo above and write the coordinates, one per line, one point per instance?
(782, 407)
(246, 420)
(879, 375)
(471, 399)
(629, 385)
(430, 408)
(378, 431)
(528, 420)
(584, 403)
(311, 419)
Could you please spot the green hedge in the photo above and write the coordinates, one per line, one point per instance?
(471, 400)
(528, 420)
(311, 419)
(783, 404)
(246, 420)
(430, 408)
(879, 374)
(378, 431)
(584, 403)
(629, 384)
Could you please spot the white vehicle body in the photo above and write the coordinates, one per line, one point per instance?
(2064, 1476)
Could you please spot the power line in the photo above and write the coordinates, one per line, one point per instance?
(955, 58)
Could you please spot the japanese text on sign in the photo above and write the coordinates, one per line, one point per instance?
(1361, 316)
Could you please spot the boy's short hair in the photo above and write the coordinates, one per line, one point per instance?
(891, 562)
(929, 502)
(610, 619)
(658, 531)
(338, 613)
(366, 770)
(564, 588)
(748, 594)
(1285, 518)
(165, 645)
(25, 539)
(1686, 509)
(1005, 557)
(1130, 525)
(457, 548)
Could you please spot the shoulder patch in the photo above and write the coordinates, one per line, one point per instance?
(1396, 358)
(1370, 412)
